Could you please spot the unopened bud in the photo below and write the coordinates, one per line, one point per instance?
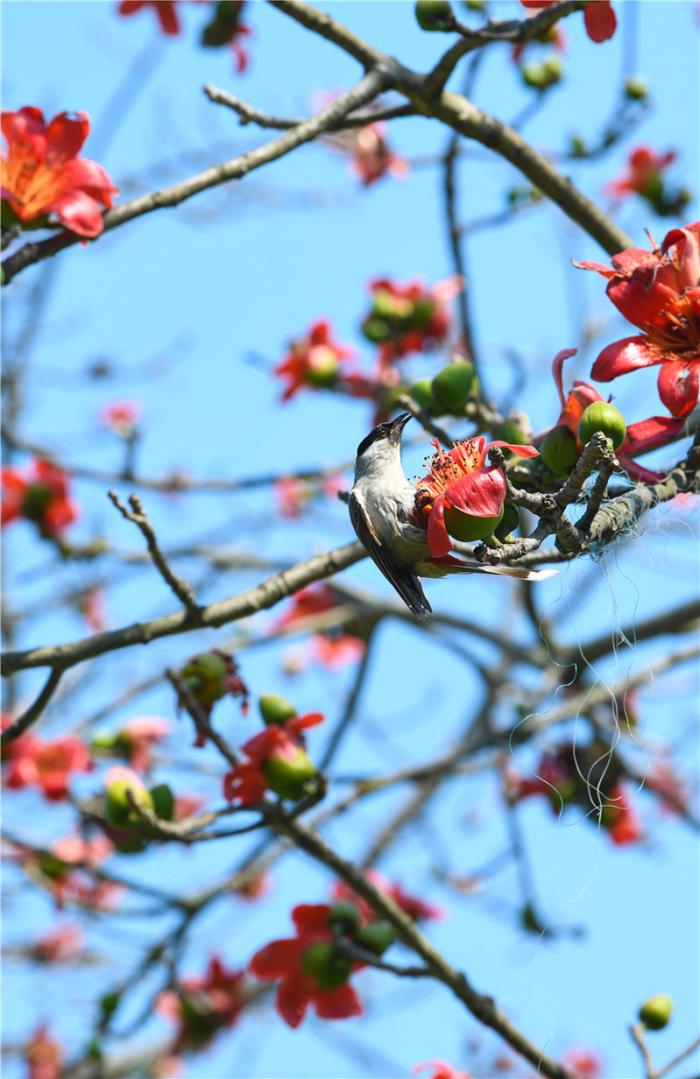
(655, 1013)
(601, 416)
(274, 709)
(290, 776)
(376, 937)
(453, 386)
(325, 963)
(559, 450)
(434, 15)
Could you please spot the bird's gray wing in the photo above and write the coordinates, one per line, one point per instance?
(406, 584)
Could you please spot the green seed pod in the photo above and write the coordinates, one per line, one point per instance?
(205, 675)
(600, 416)
(290, 777)
(274, 709)
(453, 386)
(422, 394)
(655, 1013)
(376, 937)
(326, 964)
(559, 450)
(434, 15)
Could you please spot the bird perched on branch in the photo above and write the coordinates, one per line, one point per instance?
(383, 512)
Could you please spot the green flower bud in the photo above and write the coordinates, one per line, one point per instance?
(326, 964)
(453, 386)
(376, 329)
(422, 394)
(323, 367)
(600, 416)
(636, 89)
(559, 450)
(205, 675)
(344, 918)
(122, 788)
(163, 801)
(274, 709)
(434, 15)
(578, 146)
(290, 777)
(655, 1012)
(509, 521)
(516, 429)
(376, 937)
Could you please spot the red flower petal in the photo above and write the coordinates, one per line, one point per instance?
(293, 998)
(625, 355)
(439, 541)
(558, 361)
(600, 20)
(479, 494)
(340, 1003)
(311, 917)
(301, 723)
(650, 434)
(91, 177)
(66, 134)
(79, 213)
(276, 960)
(678, 386)
(519, 451)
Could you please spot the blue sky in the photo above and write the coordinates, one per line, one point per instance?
(191, 308)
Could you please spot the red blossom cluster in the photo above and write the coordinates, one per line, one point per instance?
(42, 174)
(64, 870)
(404, 319)
(208, 677)
(599, 17)
(313, 361)
(644, 176)
(294, 494)
(372, 156)
(122, 418)
(43, 1054)
(583, 1063)
(412, 905)
(571, 775)
(134, 741)
(39, 493)
(204, 1005)
(658, 291)
(32, 762)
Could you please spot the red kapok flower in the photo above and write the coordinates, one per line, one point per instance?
(408, 318)
(440, 1070)
(583, 1063)
(32, 762)
(599, 17)
(63, 942)
(459, 488)
(44, 1055)
(372, 157)
(64, 871)
(204, 1005)
(658, 291)
(225, 28)
(276, 760)
(301, 982)
(643, 175)
(39, 493)
(620, 819)
(42, 173)
(411, 905)
(166, 12)
(313, 361)
(121, 417)
(332, 648)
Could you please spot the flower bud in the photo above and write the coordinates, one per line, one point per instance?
(600, 416)
(376, 937)
(290, 776)
(543, 76)
(344, 918)
(656, 1011)
(387, 306)
(509, 521)
(467, 527)
(205, 676)
(326, 964)
(434, 15)
(559, 450)
(422, 394)
(123, 788)
(636, 89)
(322, 367)
(274, 709)
(453, 386)
(376, 329)
(516, 429)
(163, 801)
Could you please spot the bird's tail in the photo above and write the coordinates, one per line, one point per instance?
(448, 564)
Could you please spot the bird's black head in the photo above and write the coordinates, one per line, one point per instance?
(391, 430)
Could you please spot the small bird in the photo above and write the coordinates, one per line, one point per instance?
(381, 508)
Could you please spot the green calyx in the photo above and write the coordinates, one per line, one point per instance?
(467, 527)
(205, 676)
(119, 798)
(376, 937)
(290, 777)
(601, 416)
(434, 15)
(559, 450)
(655, 1013)
(453, 386)
(325, 963)
(344, 919)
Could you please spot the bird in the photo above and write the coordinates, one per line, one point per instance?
(381, 505)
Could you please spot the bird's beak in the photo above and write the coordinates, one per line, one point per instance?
(398, 425)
